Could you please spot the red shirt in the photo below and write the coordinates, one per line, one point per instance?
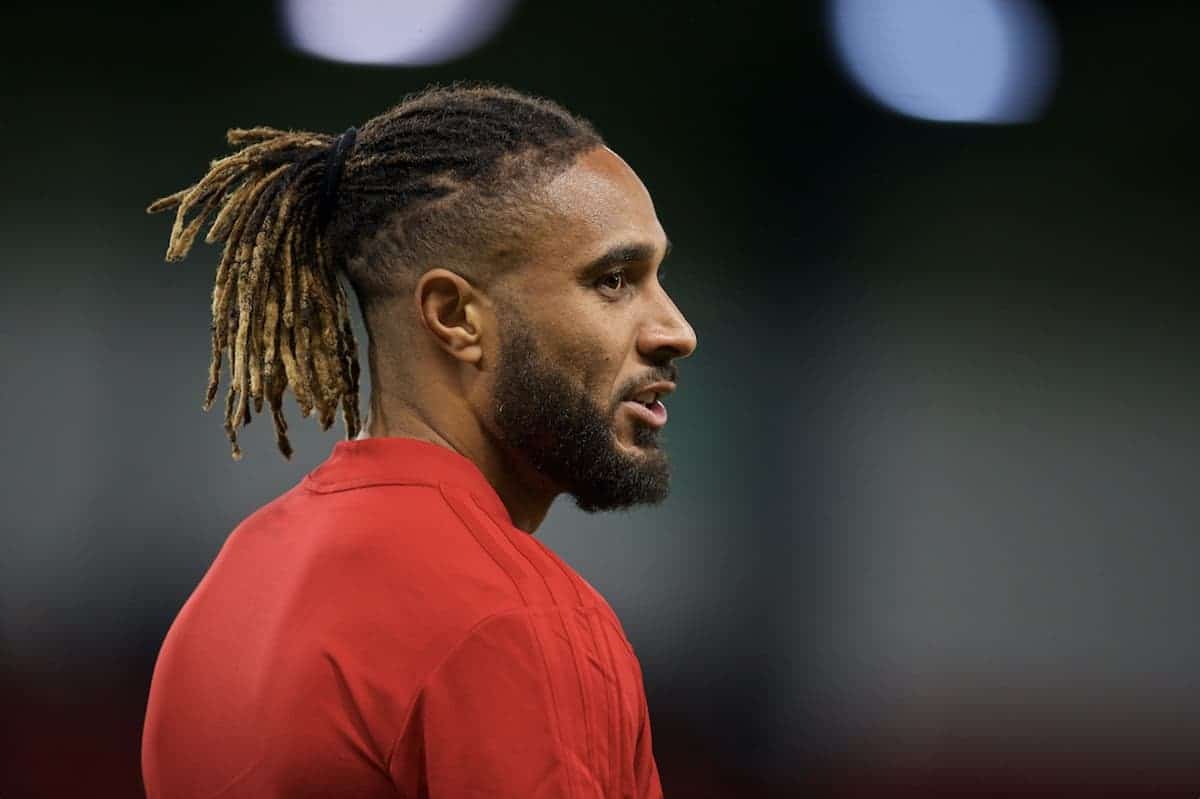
(383, 630)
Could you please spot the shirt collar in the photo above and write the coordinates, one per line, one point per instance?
(403, 461)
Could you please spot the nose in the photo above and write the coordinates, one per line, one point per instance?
(667, 335)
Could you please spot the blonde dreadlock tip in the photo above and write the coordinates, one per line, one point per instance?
(165, 204)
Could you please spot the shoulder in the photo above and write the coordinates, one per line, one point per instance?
(385, 581)
(394, 550)
(594, 601)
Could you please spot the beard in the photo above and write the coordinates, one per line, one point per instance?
(560, 430)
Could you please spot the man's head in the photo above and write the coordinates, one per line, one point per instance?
(587, 339)
(506, 263)
(560, 357)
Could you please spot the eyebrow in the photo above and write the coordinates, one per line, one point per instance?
(622, 254)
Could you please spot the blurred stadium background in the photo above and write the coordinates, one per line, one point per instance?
(934, 529)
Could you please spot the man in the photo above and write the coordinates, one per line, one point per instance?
(391, 626)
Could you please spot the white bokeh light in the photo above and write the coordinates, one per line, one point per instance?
(402, 32)
(949, 60)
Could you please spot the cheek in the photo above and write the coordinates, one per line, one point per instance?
(591, 370)
(593, 355)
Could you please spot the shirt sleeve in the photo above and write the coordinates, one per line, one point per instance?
(485, 724)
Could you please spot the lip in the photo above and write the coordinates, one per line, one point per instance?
(648, 416)
(662, 388)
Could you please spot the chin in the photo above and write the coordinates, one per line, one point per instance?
(637, 437)
(641, 449)
(592, 504)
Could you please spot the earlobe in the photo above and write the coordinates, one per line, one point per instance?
(449, 308)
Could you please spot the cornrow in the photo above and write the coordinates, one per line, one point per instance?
(448, 171)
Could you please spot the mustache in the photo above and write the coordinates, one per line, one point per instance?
(669, 372)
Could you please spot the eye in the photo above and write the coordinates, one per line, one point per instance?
(614, 280)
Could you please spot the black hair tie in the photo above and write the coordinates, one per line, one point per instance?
(333, 173)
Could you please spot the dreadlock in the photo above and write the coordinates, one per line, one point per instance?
(449, 171)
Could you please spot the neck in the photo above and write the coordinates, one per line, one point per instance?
(524, 492)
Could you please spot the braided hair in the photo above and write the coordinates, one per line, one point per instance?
(450, 172)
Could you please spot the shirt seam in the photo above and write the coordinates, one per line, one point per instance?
(516, 585)
(541, 650)
(319, 487)
(583, 700)
(524, 612)
(616, 627)
(440, 487)
(433, 672)
(554, 705)
(316, 487)
(618, 699)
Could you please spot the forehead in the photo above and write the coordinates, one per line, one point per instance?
(595, 204)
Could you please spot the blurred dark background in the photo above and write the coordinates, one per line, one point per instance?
(934, 520)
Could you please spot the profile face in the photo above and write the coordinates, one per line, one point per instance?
(588, 341)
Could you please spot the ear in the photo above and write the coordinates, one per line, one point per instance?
(453, 312)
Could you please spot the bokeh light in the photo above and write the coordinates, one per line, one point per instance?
(401, 32)
(949, 60)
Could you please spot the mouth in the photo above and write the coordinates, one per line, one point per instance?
(653, 413)
(646, 403)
